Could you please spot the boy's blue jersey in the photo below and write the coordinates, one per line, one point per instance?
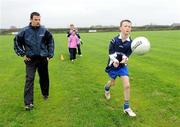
(119, 48)
(116, 45)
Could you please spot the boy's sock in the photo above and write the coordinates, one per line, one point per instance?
(126, 104)
(107, 87)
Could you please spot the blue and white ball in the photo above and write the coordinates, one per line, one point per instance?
(140, 45)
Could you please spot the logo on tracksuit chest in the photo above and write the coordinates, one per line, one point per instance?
(41, 35)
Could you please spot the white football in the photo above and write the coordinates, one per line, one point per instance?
(140, 45)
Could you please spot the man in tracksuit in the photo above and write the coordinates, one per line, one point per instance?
(35, 43)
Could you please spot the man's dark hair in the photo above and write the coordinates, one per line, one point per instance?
(34, 14)
(125, 20)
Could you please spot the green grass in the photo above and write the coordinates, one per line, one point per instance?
(76, 90)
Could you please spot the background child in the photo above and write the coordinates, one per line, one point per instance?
(73, 40)
(71, 28)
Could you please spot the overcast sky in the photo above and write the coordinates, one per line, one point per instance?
(84, 13)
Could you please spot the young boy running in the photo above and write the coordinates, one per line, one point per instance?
(119, 51)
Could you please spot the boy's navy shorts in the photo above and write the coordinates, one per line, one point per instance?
(122, 71)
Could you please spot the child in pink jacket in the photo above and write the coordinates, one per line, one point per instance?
(73, 41)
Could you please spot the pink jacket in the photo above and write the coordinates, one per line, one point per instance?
(73, 41)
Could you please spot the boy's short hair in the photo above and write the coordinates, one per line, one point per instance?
(125, 20)
(34, 14)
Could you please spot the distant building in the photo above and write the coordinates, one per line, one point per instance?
(14, 33)
(92, 31)
(175, 24)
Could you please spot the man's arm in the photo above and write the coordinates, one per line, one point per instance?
(19, 44)
(50, 44)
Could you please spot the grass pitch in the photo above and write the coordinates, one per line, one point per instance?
(76, 90)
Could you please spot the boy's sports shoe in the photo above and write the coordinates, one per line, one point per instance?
(129, 112)
(107, 94)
